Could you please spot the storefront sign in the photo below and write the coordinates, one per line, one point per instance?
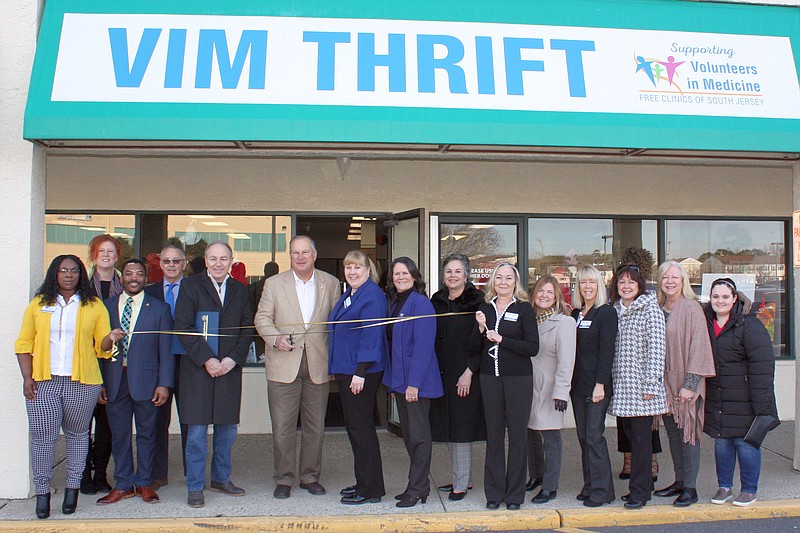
(204, 59)
(796, 238)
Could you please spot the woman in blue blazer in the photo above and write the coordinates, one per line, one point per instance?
(357, 358)
(413, 374)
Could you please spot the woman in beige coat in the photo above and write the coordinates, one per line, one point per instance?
(552, 379)
(688, 362)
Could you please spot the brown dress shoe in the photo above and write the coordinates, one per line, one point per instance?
(147, 494)
(114, 496)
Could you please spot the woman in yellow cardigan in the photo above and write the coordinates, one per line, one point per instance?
(64, 330)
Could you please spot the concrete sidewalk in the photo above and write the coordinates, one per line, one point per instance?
(779, 495)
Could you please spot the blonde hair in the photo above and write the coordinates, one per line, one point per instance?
(589, 272)
(560, 305)
(686, 287)
(519, 292)
(358, 257)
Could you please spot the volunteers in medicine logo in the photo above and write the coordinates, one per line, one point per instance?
(700, 77)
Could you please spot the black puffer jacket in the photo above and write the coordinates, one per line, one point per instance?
(744, 384)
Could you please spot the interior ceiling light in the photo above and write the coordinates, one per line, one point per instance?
(239, 236)
(201, 216)
(91, 228)
(355, 225)
(481, 226)
(364, 218)
(455, 237)
(354, 237)
(215, 223)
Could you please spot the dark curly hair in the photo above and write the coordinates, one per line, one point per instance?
(642, 258)
(49, 289)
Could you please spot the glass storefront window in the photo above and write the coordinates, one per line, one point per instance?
(486, 245)
(752, 253)
(556, 246)
(71, 234)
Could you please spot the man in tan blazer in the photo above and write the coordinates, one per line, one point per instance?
(297, 363)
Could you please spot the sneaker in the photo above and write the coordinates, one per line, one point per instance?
(722, 496)
(744, 499)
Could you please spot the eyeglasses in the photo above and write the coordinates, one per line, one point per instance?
(724, 281)
(172, 261)
(69, 270)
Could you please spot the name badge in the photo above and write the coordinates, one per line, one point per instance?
(49, 309)
(511, 317)
(347, 302)
(584, 324)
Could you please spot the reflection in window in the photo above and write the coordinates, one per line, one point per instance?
(556, 246)
(751, 252)
(486, 245)
(71, 234)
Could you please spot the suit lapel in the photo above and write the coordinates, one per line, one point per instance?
(290, 293)
(208, 286)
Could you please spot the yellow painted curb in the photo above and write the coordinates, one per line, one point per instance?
(422, 523)
(668, 514)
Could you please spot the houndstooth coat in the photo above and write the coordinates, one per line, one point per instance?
(638, 366)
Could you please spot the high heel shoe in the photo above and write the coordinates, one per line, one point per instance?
(43, 505)
(70, 501)
(411, 501)
(401, 496)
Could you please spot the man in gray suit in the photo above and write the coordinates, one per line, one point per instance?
(291, 306)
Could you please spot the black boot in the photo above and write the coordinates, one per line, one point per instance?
(43, 505)
(70, 501)
(87, 483)
(100, 481)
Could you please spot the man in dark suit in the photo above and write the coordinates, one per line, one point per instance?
(136, 382)
(211, 370)
(173, 261)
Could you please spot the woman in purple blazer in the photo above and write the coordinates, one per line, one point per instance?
(413, 373)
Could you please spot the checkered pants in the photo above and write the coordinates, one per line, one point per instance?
(66, 404)
(461, 455)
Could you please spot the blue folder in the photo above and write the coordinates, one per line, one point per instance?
(208, 322)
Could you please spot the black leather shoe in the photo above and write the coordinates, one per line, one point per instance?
(348, 491)
(70, 501)
(87, 485)
(673, 490)
(449, 487)
(532, 483)
(411, 501)
(313, 488)
(634, 504)
(544, 497)
(592, 503)
(43, 505)
(456, 496)
(355, 499)
(626, 497)
(228, 488)
(282, 492)
(512, 506)
(687, 497)
(582, 497)
(492, 505)
(101, 483)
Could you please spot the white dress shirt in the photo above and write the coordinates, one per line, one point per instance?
(306, 295)
(220, 286)
(63, 324)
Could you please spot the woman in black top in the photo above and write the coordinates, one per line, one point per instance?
(457, 417)
(507, 338)
(591, 382)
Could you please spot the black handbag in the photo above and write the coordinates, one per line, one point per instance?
(762, 424)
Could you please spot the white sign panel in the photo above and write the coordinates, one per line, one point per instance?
(796, 238)
(401, 63)
(745, 283)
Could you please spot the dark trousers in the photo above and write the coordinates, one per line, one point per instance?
(359, 412)
(590, 423)
(639, 431)
(685, 456)
(161, 460)
(506, 406)
(99, 449)
(121, 412)
(416, 426)
(544, 456)
(624, 444)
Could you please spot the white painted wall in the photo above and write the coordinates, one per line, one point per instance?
(21, 234)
